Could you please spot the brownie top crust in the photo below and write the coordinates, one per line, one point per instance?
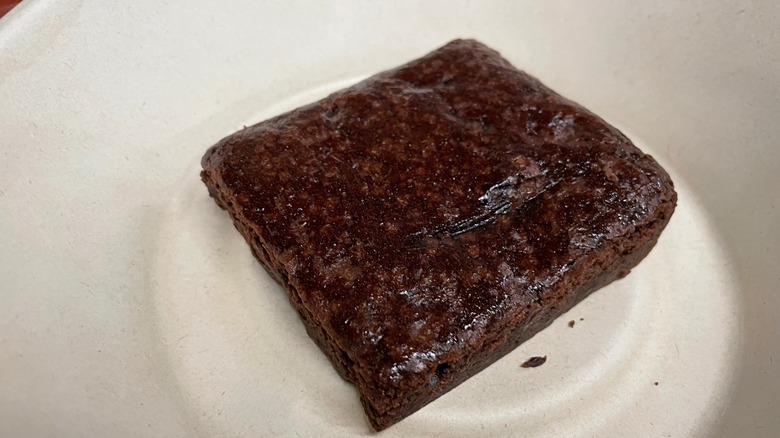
(423, 209)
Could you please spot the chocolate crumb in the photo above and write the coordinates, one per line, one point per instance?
(571, 323)
(534, 362)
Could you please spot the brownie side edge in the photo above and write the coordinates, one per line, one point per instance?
(610, 264)
(338, 356)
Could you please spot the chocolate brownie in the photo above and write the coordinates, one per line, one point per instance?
(431, 218)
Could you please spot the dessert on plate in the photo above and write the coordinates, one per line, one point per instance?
(431, 218)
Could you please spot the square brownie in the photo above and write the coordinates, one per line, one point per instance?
(430, 218)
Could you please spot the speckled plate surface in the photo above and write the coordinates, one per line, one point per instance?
(131, 307)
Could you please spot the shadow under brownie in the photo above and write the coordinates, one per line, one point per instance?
(431, 218)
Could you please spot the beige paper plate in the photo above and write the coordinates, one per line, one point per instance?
(129, 306)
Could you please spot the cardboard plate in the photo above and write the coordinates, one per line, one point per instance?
(131, 307)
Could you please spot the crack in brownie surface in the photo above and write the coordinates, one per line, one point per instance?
(432, 217)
